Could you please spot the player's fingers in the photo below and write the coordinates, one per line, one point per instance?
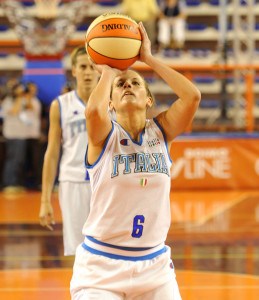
(49, 227)
(142, 29)
(52, 221)
(42, 220)
(47, 221)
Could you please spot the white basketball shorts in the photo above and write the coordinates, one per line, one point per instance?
(101, 277)
(74, 200)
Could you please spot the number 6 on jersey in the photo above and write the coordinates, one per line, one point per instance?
(137, 227)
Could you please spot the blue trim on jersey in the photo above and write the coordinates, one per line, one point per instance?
(88, 166)
(130, 258)
(85, 160)
(162, 130)
(60, 112)
(78, 98)
(134, 141)
(87, 176)
(90, 238)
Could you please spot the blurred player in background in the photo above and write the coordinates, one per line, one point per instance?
(67, 132)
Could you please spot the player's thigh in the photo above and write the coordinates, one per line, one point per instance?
(168, 291)
(163, 31)
(96, 294)
(179, 29)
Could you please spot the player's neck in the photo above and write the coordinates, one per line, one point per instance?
(83, 95)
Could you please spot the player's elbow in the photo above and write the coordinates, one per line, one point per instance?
(196, 96)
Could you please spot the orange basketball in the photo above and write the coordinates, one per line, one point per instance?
(113, 39)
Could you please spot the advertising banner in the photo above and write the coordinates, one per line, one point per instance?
(215, 162)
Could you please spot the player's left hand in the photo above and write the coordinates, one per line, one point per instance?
(145, 49)
(46, 215)
(105, 68)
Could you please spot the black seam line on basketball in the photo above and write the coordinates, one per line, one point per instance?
(112, 57)
(112, 19)
(114, 37)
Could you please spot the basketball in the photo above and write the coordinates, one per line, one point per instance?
(113, 39)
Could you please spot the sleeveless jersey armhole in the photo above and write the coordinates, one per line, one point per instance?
(164, 136)
(90, 166)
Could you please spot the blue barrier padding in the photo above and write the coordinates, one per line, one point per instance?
(48, 75)
(193, 2)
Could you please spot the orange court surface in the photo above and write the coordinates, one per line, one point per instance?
(214, 238)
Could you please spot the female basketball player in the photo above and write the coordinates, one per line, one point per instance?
(124, 254)
(68, 130)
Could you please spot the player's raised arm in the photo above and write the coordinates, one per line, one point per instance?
(97, 117)
(176, 119)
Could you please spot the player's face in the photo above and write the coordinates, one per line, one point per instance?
(129, 90)
(84, 72)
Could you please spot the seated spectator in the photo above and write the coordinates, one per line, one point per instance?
(171, 25)
(145, 11)
(33, 135)
(14, 132)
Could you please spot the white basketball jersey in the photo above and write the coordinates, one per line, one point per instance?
(130, 204)
(74, 138)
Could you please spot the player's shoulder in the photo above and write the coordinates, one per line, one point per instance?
(66, 96)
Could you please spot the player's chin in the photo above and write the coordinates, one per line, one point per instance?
(88, 83)
(129, 98)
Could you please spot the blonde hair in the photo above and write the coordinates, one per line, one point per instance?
(77, 52)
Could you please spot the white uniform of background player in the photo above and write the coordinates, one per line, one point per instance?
(67, 134)
(74, 186)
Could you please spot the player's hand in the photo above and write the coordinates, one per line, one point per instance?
(101, 68)
(105, 68)
(46, 215)
(145, 49)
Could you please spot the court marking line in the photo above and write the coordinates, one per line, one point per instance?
(36, 258)
(219, 287)
(217, 273)
(216, 256)
(29, 233)
(182, 287)
(38, 270)
(178, 271)
(36, 289)
(175, 256)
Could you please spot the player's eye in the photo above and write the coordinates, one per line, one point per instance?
(135, 82)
